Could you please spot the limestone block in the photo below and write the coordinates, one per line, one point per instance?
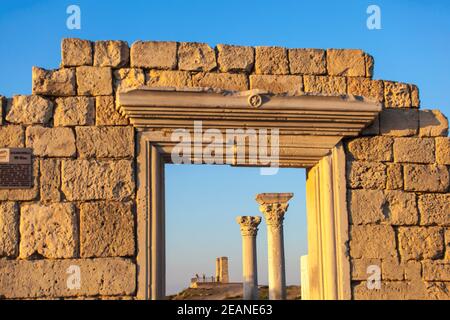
(390, 290)
(178, 79)
(414, 150)
(435, 209)
(54, 82)
(51, 142)
(373, 242)
(397, 95)
(127, 78)
(371, 149)
(394, 177)
(106, 113)
(23, 194)
(366, 206)
(415, 96)
(307, 61)
(402, 208)
(447, 244)
(74, 111)
(48, 230)
(367, 88)
(226, 81)
(413, 270)
(443, 150)
(271, 60)
(29, 110)
(277, 83)
(97, 180)
(426, 178)
(401, 123)
(432, 123)
(235, 58)
(436, 271)
(106, 229)
(111, 54)
(350, 63)
(154, 54)
(76, 52)
(9, 229)
(392, 270)
(366, 175)
(94, 81)
(50, 180)
(325, 85)
(12, 136)
(418, 243)
(2, 107)
(48, 278)
(359, 268)
(370, 65)
(105, 142)
(194, 56)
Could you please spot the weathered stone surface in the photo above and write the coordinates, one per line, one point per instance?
(51, 142)
(235, 58)
(401, 123)
(443, 150)
(307, 61)
(111, 54)
(48, 278)
(366, 206)
(23, 194)
(106, 229)
(372, 241)
(76, 52)
(194, 56)
(432, 123)
(154, 54)
(97, 180)
(74, 111)
(9, 229)
(392, 270)
(30, 110)
(94, 81)
(2, 107)
(50, 231)
(365, 87)
(342, 62)
(127, 78)
(277, 83)
(105, 142)
(366, 175)
(436, 271)
(371, 149)
(426, 178)
(12, 136)
(414, 150)
(271, 60)
(325, 85)
(397, 95)
(415, 96)
(54, 82)
(402, 208)
(179, 79)
(390, 290)
(447, 244)
(394, 177)
(359, 268)
(226, 81)
(50, 180)
(418, 243)
(435, 209)
(106, 113)
(370, 65)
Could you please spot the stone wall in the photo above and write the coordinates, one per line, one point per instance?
(81, 210)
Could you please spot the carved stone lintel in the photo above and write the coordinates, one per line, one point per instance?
(249, 225)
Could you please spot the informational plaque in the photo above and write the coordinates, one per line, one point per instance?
(16, 170)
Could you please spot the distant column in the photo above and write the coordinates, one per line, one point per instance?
(274, 206)
(224, 270)
(249, 230)
(217, 269)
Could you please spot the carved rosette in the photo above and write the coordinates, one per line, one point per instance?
(274, 213)
(249, 225)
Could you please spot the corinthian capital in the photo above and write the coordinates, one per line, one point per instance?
(274, 206)
(249, 225)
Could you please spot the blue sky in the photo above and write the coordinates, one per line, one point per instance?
(413, 46)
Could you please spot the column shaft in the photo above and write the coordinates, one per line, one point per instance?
(249, 268)
(277, 278)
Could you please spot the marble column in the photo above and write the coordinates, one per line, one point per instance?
(249, 229)
(274, 206)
